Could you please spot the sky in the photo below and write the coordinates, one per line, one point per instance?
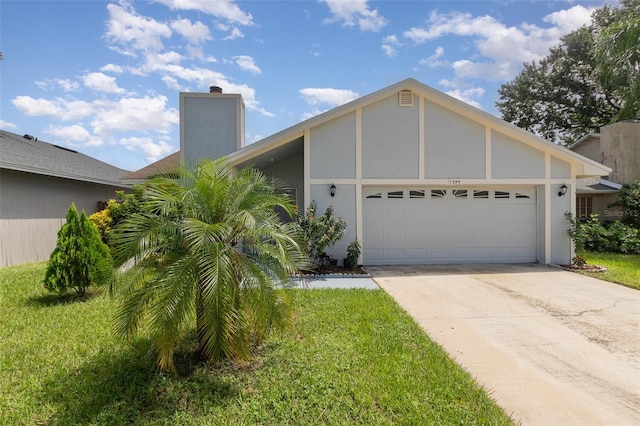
(104, 77)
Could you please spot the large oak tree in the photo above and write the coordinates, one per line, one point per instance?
(588, 81)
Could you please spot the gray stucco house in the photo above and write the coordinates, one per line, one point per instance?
(38, 183)
(617, 146)
(420, 177)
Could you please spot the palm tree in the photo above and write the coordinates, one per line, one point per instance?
(210, 251)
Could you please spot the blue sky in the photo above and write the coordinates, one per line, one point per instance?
(104, 77)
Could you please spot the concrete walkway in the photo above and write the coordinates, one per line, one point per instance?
(552, 347)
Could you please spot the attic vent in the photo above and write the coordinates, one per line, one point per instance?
(405, 98)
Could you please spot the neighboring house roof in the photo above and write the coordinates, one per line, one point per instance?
(33, 156)
(602, 186)
(166, 165)
(586, 137)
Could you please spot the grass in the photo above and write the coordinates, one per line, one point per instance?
(352, 357)
(621, 268)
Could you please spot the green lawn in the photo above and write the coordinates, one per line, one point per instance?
(352, 357)
(621, 268)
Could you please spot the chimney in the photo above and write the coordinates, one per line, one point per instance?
(210, 126)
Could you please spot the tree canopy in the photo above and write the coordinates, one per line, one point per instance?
(591, 79)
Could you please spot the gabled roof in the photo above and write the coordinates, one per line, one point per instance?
(587, 137)
(246, 154)
(165, 165)
(588, 167)
(33, 156)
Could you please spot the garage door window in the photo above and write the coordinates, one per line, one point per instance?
(395, 194)
(460, 193)
(438, 193)
(502, 194)
(416, 193)
(480, 194)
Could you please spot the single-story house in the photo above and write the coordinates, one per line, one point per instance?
(618, 147)
(418, 176)
(38, 183)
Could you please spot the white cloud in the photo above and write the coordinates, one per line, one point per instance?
(235, 33)
(223, 9)
(433, 61)
(74, 132)
(62, 109)
(195, 33)
(333, 97)
(458, 90)
(133, 114)
(153, 150)
(7, 125)
(101, 83)
(355, 12)
(389, 44)
(133, 32)
(501, 49)
(247, 64)
(112, 68)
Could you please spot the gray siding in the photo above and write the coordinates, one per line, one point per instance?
(291, 173)
(32, 196)
(33, 209)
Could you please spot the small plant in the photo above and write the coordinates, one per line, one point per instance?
(80, 258)
(353, 254)
(578, 260)
(319, 233)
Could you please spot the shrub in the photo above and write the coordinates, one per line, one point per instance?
(80, 258)
(613, 237)
(629, 199)
(353, 254)
(125, 205)
(319, 233)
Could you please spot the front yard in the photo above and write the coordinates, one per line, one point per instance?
(621, 268)
(352, 357)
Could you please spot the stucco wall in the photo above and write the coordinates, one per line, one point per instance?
(344, 204)
(211, 125)
(621, 150)
(454, 145)
(333, 149)
(560, 240)
(513, 159)
(590, 148)
(390, 144)
(291, 173)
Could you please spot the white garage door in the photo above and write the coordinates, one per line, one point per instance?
(445, 225)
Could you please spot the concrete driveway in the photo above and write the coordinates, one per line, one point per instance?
(552, 347)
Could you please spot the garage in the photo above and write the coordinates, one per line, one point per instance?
(435, 225)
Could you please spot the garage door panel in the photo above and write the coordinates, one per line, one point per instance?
(441, 227)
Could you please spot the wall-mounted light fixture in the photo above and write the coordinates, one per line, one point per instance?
(332, 190)
(563, 190)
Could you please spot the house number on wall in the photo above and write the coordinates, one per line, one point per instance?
(455, 181)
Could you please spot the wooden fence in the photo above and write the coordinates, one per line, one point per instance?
(27, 240)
